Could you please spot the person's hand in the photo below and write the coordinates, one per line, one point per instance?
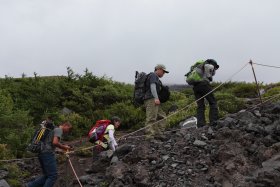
(68, 148)
(157, 101)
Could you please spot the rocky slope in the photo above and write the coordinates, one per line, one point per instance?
(243, 150)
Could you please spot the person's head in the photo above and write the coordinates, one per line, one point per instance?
(213, 62)
(49, 119)
(66, 127)
(116, 121)
(160, 70)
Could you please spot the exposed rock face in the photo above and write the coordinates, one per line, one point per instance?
(243, 150)
(3, 183)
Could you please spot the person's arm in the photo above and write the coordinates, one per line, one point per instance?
(154, 90)
(56, 140)
(57, 143)
(112, 142)
(154, 93)
(209, 71)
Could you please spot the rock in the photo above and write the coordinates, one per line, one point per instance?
(230, 166)
(173, 108)
(245, 143)
(117, 171)
(3, 174)
(3, 183)
(276, 109)
(114, 160)
(199, 143)
(257, 113)
(226, 183)
(141, 176)
(82, 161)
(123, 149)
(86, 179)
(273, 163)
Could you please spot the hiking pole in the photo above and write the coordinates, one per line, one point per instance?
(257, 85)
(68, 157)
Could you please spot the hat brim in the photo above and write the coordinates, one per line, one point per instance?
(166, 71)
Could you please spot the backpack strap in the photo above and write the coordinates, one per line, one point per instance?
(145, 82)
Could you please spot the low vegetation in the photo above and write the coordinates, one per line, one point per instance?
(83, 99)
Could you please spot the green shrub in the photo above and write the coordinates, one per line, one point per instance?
(228, 103)
(272, 92)
(244, 90)
(81, 125)
(15, 174)
(129, 115)
(6, 103)
(181, 115)
(5, 153)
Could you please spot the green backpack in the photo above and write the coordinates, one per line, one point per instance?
(195, 74)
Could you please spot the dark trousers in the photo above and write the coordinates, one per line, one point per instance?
(48, 164)
(200, 90)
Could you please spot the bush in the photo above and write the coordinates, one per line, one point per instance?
(272, 92)
(4, 152)
(15, 174)
(228, 103)
(244, 90)
(6, 103)
(130, 116)
(81, 125)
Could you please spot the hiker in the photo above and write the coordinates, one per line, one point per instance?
(152, 103)
(201, 87)
(107, 140)
(47, 156)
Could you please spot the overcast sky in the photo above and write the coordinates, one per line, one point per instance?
(117, 37)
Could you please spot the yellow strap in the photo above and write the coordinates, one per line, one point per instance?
(40, 135)
(98, 142)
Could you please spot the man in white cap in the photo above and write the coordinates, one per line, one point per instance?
(152, 103)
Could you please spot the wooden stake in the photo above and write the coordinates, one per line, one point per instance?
(257, 85)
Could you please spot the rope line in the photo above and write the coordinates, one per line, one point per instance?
(184, 108)
(188, 106)
(248, 109)
(14, 160)
(266, 65)
(269, 99)
(68, 157)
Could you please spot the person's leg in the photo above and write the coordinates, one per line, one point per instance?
(39, 181)
(200, 111)
(50, 169)
(162, 121)
(151, 116)
(213, 113)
